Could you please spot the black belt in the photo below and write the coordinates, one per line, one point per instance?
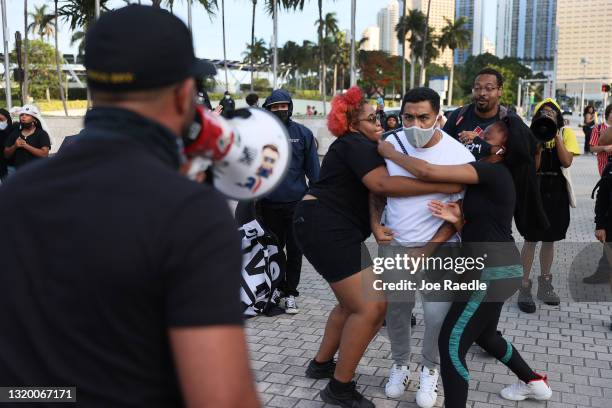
(548, 173)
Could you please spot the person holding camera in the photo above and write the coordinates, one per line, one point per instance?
(555, 153)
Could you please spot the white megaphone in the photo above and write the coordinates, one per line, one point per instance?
(250, 152)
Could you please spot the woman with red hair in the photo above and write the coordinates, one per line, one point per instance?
(331, 224)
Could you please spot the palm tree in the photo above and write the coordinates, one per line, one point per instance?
(340, 57)
(41, 22)
(413, 23)
(431, 53)
(401, 37)
(257, 52)
(224, 46)
(78, 37)
(57, 61)
(324, 25)
(25, 52)
(454, 36)
(330, 25)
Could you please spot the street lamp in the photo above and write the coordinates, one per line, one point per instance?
(583, 62)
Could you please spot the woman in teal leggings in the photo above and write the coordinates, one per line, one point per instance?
(500, 186)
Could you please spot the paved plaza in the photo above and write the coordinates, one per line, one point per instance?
(571, 343)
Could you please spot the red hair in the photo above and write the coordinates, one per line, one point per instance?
(344, 109)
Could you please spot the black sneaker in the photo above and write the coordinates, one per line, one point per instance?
(600, 276)
(349, 398)
(525, 300)
(320, 370)
(546, 292)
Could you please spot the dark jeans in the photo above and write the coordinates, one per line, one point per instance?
(278, 219)
(604, 265)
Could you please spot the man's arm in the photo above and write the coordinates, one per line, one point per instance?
(444, 233)
(212, 366)
(381, 233)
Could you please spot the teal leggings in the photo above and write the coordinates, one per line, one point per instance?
(475, 321)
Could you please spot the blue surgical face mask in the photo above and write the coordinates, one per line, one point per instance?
(419, 137)
(3, 125)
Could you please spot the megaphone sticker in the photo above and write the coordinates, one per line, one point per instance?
(269, 157)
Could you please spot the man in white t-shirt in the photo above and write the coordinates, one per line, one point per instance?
(413, 225)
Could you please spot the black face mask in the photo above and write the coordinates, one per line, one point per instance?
(283, 115)
(480, 148)
(27, 125)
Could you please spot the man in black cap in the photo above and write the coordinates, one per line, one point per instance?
(121, 277)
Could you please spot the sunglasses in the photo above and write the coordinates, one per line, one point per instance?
(373, 119)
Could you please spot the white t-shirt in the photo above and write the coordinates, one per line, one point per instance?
(409, 217)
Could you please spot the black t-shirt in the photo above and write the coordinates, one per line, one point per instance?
(38, 139)
(488, 208)
(106, 247)
(469, 121)
(340, 188)
(4, 134)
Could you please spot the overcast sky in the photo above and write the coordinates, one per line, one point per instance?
(208, 38)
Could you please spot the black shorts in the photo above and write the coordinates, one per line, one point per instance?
(332, 244)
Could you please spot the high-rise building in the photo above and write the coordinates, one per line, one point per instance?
(372, 42)
(488, 46)
(473, 11)
(440, 9)
(584, 30)
(531, 35)
(504, 28)
(388, 18)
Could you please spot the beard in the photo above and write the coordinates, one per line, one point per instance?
(189, 120)
(484, 106)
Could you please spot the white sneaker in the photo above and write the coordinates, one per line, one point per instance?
(536, 389)
(398, 380)
(291, 305)
(428, 388)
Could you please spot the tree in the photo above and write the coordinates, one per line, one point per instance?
(379, 69)
(80, 13)
(287, 5)
(431, 53)
(42, 22)
(454, 36)
(340, 57)
(44, 77)
(401, 37)
(257, 52)
(413, 23)
(329, 25)
(78, 37)
(26, 68)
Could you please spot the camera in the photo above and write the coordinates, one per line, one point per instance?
(544, 126)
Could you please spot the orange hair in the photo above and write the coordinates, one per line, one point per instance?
(344, 109)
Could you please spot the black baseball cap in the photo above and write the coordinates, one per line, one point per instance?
(140, 47)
